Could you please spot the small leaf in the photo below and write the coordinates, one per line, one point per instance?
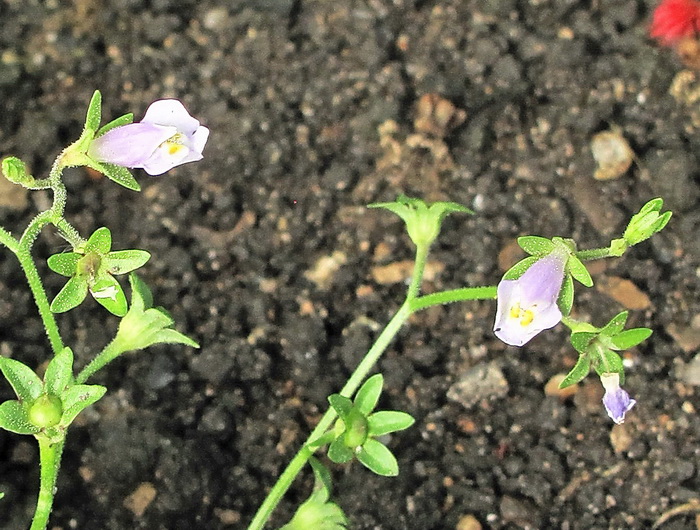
(368, 394)
(72, 295)
(582, 339)
(631, 338)
(141, 297)
(578, 372)
(566, 295)
(13, 418)
(341, 404)
(616, 325)
(387, 421)
(126, 119)
(110, 295)
(23, 380)
(536, 245)
(376, 457)
(338, 452)
(118, 174)
(94, 112)
(100, 241)
(59, 372)
(517, 270)
(579, 271)
(323, 477)
(123, 261)
(64, 264)
(77, 398)
(172, 336)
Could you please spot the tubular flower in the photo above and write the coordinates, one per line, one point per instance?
(674, 20)
(166, 137)
(528, 305)
(617, 402)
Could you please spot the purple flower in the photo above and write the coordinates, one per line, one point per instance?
(528, 305)
(166, 137)
(617, 402)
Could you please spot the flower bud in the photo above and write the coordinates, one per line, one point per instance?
(46, 411)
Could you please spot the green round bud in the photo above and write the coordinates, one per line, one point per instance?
(14, 170)
(46, 411)
(356, 429)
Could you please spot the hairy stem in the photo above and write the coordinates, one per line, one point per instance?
(50, 458)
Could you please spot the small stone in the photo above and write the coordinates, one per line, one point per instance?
(483, 381)
(612, 153)
(687, 337)
(552, 388)
(468, 522)
(325, 269)
(140, 499)
(621, 438)
(689, 373)
(401, 271)
(624, 291)
(12, 196)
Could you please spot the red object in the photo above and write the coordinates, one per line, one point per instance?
(674, 20)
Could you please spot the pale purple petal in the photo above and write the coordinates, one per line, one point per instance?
(130, 145)
(171, 112)
(528, 305)
(617, 401)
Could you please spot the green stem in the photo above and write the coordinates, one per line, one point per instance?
(301, 458)
(50, 458)
(418, 270)
(455, 295)
(593, 253)
(107, 355)
(8, 240)
(42, 302)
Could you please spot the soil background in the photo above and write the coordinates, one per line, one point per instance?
(265, 254)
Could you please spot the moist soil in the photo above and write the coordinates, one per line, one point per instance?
(265, 254)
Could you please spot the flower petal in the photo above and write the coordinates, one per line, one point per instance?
(171, 112)
(130, 145)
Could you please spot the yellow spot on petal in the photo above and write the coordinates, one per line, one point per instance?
(524, 316)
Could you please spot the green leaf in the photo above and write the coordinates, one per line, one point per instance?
(126, 119)
(579, 271)
(123, 261)
(94, 112)
(118, 174)
(517, 270)
(323, 476)
(64, 264)
(341, 404)
(338, 452)
(536, 245)
(582, 339)
(376, 457)
(13, 418)
(59, 372)
(630, 338)
(616, 325)
(368, 394)
(23, 380)
(77, 398)
(141, 296)
(566, 295)
(100, 242)
(172, 336)
(109, 294)
(578, 372)
(72, 295)
(609, 362)
(387, 421)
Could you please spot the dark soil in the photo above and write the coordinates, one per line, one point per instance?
(314, 111)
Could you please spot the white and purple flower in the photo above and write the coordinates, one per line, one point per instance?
(166, 137)
(616, 400)
(528, 305)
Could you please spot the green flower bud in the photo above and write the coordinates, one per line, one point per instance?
(356, 429)
(15, 171)
(46, 411)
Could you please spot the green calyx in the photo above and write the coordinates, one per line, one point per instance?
(46, 411)
(357, 427)
(91, 268)
(423, 220)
